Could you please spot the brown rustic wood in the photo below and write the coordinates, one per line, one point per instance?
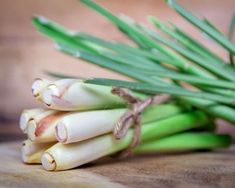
(202, 169)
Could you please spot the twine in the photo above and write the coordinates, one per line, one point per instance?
(132, 117)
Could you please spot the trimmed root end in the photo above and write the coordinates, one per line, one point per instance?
(25, 153)
(24, 157)
(37, 87)
(24, 150)
(48, 162)
(47, 94)
(61, 132)
(31, 130)
(24, 118)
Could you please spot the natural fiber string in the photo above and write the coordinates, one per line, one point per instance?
(133, 116)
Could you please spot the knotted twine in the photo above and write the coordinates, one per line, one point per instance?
(133, 116)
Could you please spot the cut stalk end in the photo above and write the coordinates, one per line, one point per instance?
(48, 162)
(24, 157)
(50, 91)
(24, 148)
(37, 87)
(32, 126)
(24, 119)
(61, 132)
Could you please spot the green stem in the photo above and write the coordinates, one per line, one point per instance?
(174, 124)
(217, 69)
(162, 111)
(215, 109)
(144, 38)
(155, 88)
(186, 40)
(218, 37)
(190, 78)
(186, 141)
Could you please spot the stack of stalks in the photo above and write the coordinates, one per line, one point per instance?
(76, 127)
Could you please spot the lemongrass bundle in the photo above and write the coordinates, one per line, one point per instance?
(31, 152)
(178, 57)
(61, 156)
(83, 125)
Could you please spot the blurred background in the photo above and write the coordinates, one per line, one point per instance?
(25, 54)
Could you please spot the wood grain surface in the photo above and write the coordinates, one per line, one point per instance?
(189, 170)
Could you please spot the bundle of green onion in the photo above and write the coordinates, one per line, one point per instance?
(77, 126)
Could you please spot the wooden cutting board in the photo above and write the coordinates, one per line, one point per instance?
(202, 169)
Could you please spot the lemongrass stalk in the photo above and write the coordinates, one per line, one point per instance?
(51, 29)
(186, 142)
(193, 46)
(210, 24)
(107, 63)
(195, 43)
(130, 31)
(122, 59)
(154, 89)
(80, 96)
(220, 67)
(215, 109)
(28, 115)
(106, 49)
(31, 152)
(137, 55)
(67, 156)
(84, 125)
(38, 86)
(217, 69)
(135, 73)
(214, 34)
(190, 43)
(217, 86)
(60, 85)
(66, 36)
(213, 83)
(78, 35)
(41, 127)
(186, 40)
